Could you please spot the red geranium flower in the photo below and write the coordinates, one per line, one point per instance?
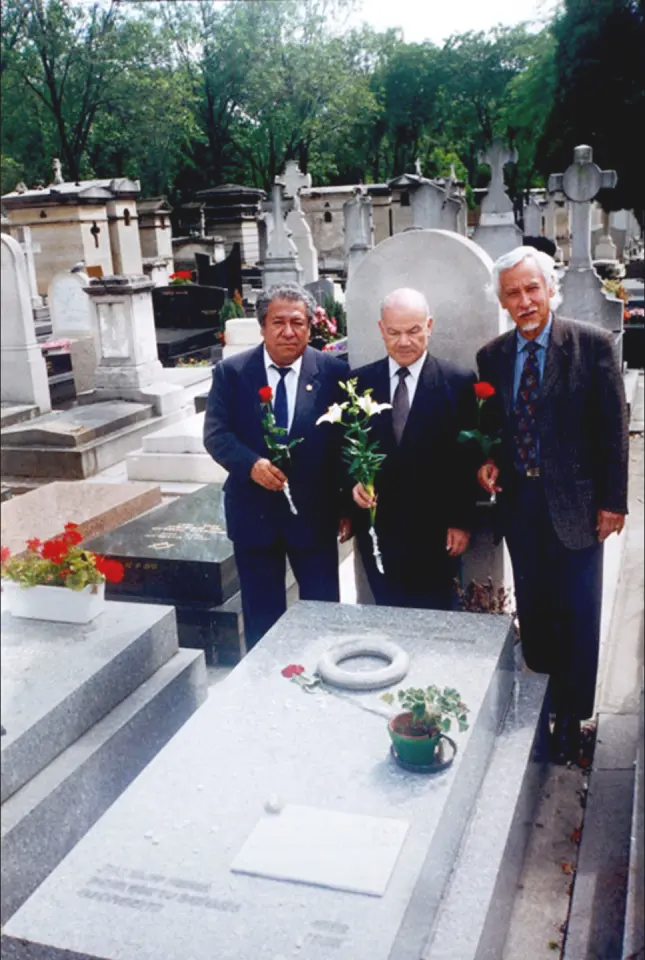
(6, 554)
(484, 390)
(265, 394)
(54, 550)
(70, 526)
(34, 544)
(112, 570)
(292, 670)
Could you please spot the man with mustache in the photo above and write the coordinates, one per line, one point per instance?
(561, 478)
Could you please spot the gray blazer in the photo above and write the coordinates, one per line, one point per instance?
(582, 427)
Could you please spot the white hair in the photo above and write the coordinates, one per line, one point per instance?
(546, 265)
(406, 296)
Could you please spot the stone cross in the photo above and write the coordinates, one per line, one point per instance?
(582, 296)
(497, 156)
(294, 181)
(202, 221)
(532, 218)
(58, 172)
(580, 183)
(281, 263)
(417, 167)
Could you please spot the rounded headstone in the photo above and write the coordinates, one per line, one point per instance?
(452, 272)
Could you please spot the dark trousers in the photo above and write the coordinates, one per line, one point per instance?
(558, 594)
(422, 578)
(262, 573)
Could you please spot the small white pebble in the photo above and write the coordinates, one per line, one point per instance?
(200, 786)
(214, 829)
(156, 841)
(148, 835)
(274, 804)
(299, 943)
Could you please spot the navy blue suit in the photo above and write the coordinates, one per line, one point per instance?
(263, 530)
(424, 486)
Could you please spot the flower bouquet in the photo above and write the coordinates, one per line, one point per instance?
(182, 278)
(362, 457)
(275, 439)
(61, 564)
(483, 392)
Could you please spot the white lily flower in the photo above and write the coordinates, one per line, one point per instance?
(333, 415)
(370, 406)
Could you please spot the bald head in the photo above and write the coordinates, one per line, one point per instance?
(405, 298)
(405, 325)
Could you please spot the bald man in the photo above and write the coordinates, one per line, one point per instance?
(424, 490)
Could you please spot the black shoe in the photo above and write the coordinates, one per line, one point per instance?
(565, 739)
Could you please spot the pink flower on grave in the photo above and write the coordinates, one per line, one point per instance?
(292, 670)
(6, 554)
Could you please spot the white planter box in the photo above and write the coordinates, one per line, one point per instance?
(55, 603)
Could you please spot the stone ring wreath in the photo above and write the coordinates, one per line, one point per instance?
(398, 664)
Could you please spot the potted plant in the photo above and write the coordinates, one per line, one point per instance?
(428, 714)
(58, 579)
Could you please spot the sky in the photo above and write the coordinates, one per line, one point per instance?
(436, 20)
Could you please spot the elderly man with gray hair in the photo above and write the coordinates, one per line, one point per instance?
(300, 384)
(425, 489)
(561, 478)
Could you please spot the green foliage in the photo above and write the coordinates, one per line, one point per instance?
(432, 709)
(275, 438)
(184, 95)
(230, 309)
(336, 311)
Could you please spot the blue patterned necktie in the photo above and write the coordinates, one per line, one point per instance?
(526, 455)
(280, 405)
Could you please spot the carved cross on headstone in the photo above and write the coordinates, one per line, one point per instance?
(294, 181)
(58, 172)
(580, 183)
(280, 243)
(497, 156)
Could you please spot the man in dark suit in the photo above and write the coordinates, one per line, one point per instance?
(424, 494)
(561, 473)
(259, 521)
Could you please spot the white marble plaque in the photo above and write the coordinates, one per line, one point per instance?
(325, 848)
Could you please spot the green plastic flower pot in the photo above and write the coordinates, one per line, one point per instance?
(418, 751)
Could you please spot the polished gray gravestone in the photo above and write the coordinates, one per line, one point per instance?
(153, 879)
(85, 707)
(181, 554)
(59, 679)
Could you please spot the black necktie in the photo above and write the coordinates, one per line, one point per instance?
(400, 404)
(526, 456)
(280, 405)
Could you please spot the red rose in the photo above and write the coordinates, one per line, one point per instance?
(484, 390)
(265, 394)
(34, 544)
(6, 554)
(292, 670)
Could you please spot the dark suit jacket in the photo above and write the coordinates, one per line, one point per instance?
(582, 427)
(233, 435)
(425, 484)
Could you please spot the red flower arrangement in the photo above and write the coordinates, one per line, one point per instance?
(181, 278)
(60, 562)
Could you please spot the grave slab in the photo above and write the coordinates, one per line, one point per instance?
(44, 820)
(153, 879)
(83, 443)
(97, 508)
(60, 679)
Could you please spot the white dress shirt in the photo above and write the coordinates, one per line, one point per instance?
(412, 379)
(290, 382)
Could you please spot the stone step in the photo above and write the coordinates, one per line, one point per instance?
(174, 467)
(16, 413)
(474, 917)
(634, 937)
(44, 820)
(59, 679)
(83, 460)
